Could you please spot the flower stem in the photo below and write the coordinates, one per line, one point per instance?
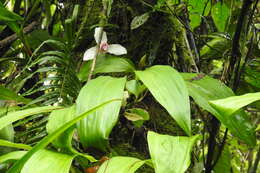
(102, 22)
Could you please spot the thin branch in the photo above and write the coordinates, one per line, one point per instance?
(188, 29)
(8, 40)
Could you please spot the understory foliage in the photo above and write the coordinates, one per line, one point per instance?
(103, 86)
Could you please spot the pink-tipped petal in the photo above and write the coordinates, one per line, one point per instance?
(116, 49)
(97, 34)
(89, 54)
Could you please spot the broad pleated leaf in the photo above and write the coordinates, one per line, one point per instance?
(17, 115)
(170, 154)
(169, 89)
(57, 118)
(95, 129)
(106, 64)
(48, 139)
(204, 89)
(232, 104)
(15, 155)
(121, 165)
(114, 64)
(46, 161)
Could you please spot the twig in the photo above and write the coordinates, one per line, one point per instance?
(187, 28)
(8, 40)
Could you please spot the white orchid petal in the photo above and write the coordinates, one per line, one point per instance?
(89, 54)
(116, 49)
(97, 34)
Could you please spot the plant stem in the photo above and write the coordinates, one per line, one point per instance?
(235, 58)
(254, 168)
(89, 6)
(214, 129)
(102, 22)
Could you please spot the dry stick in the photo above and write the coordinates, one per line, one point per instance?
(8, 40)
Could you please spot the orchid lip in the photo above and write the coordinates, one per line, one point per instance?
(104, 47)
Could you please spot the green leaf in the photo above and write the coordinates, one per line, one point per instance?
(196, 8)
(137, 116)
(170, 154)
(257, 128)
(169, 89)
(204, 89)
(17, 115)
(95, 129)
(48, 139)
(110, 64)
(48, 161)
(121, 165)
(6, 94)
(215, 48)
(57, 118)
(220, 14)
(7, 133)
(139, 20)
(14, 145)
(224, 163)
(8, 16)
(230, 105)
(106, 64)
(134, 87)
(15, 155)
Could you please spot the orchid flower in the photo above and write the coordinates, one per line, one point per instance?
(104, 47)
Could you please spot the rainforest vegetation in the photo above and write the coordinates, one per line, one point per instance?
(124, 86)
